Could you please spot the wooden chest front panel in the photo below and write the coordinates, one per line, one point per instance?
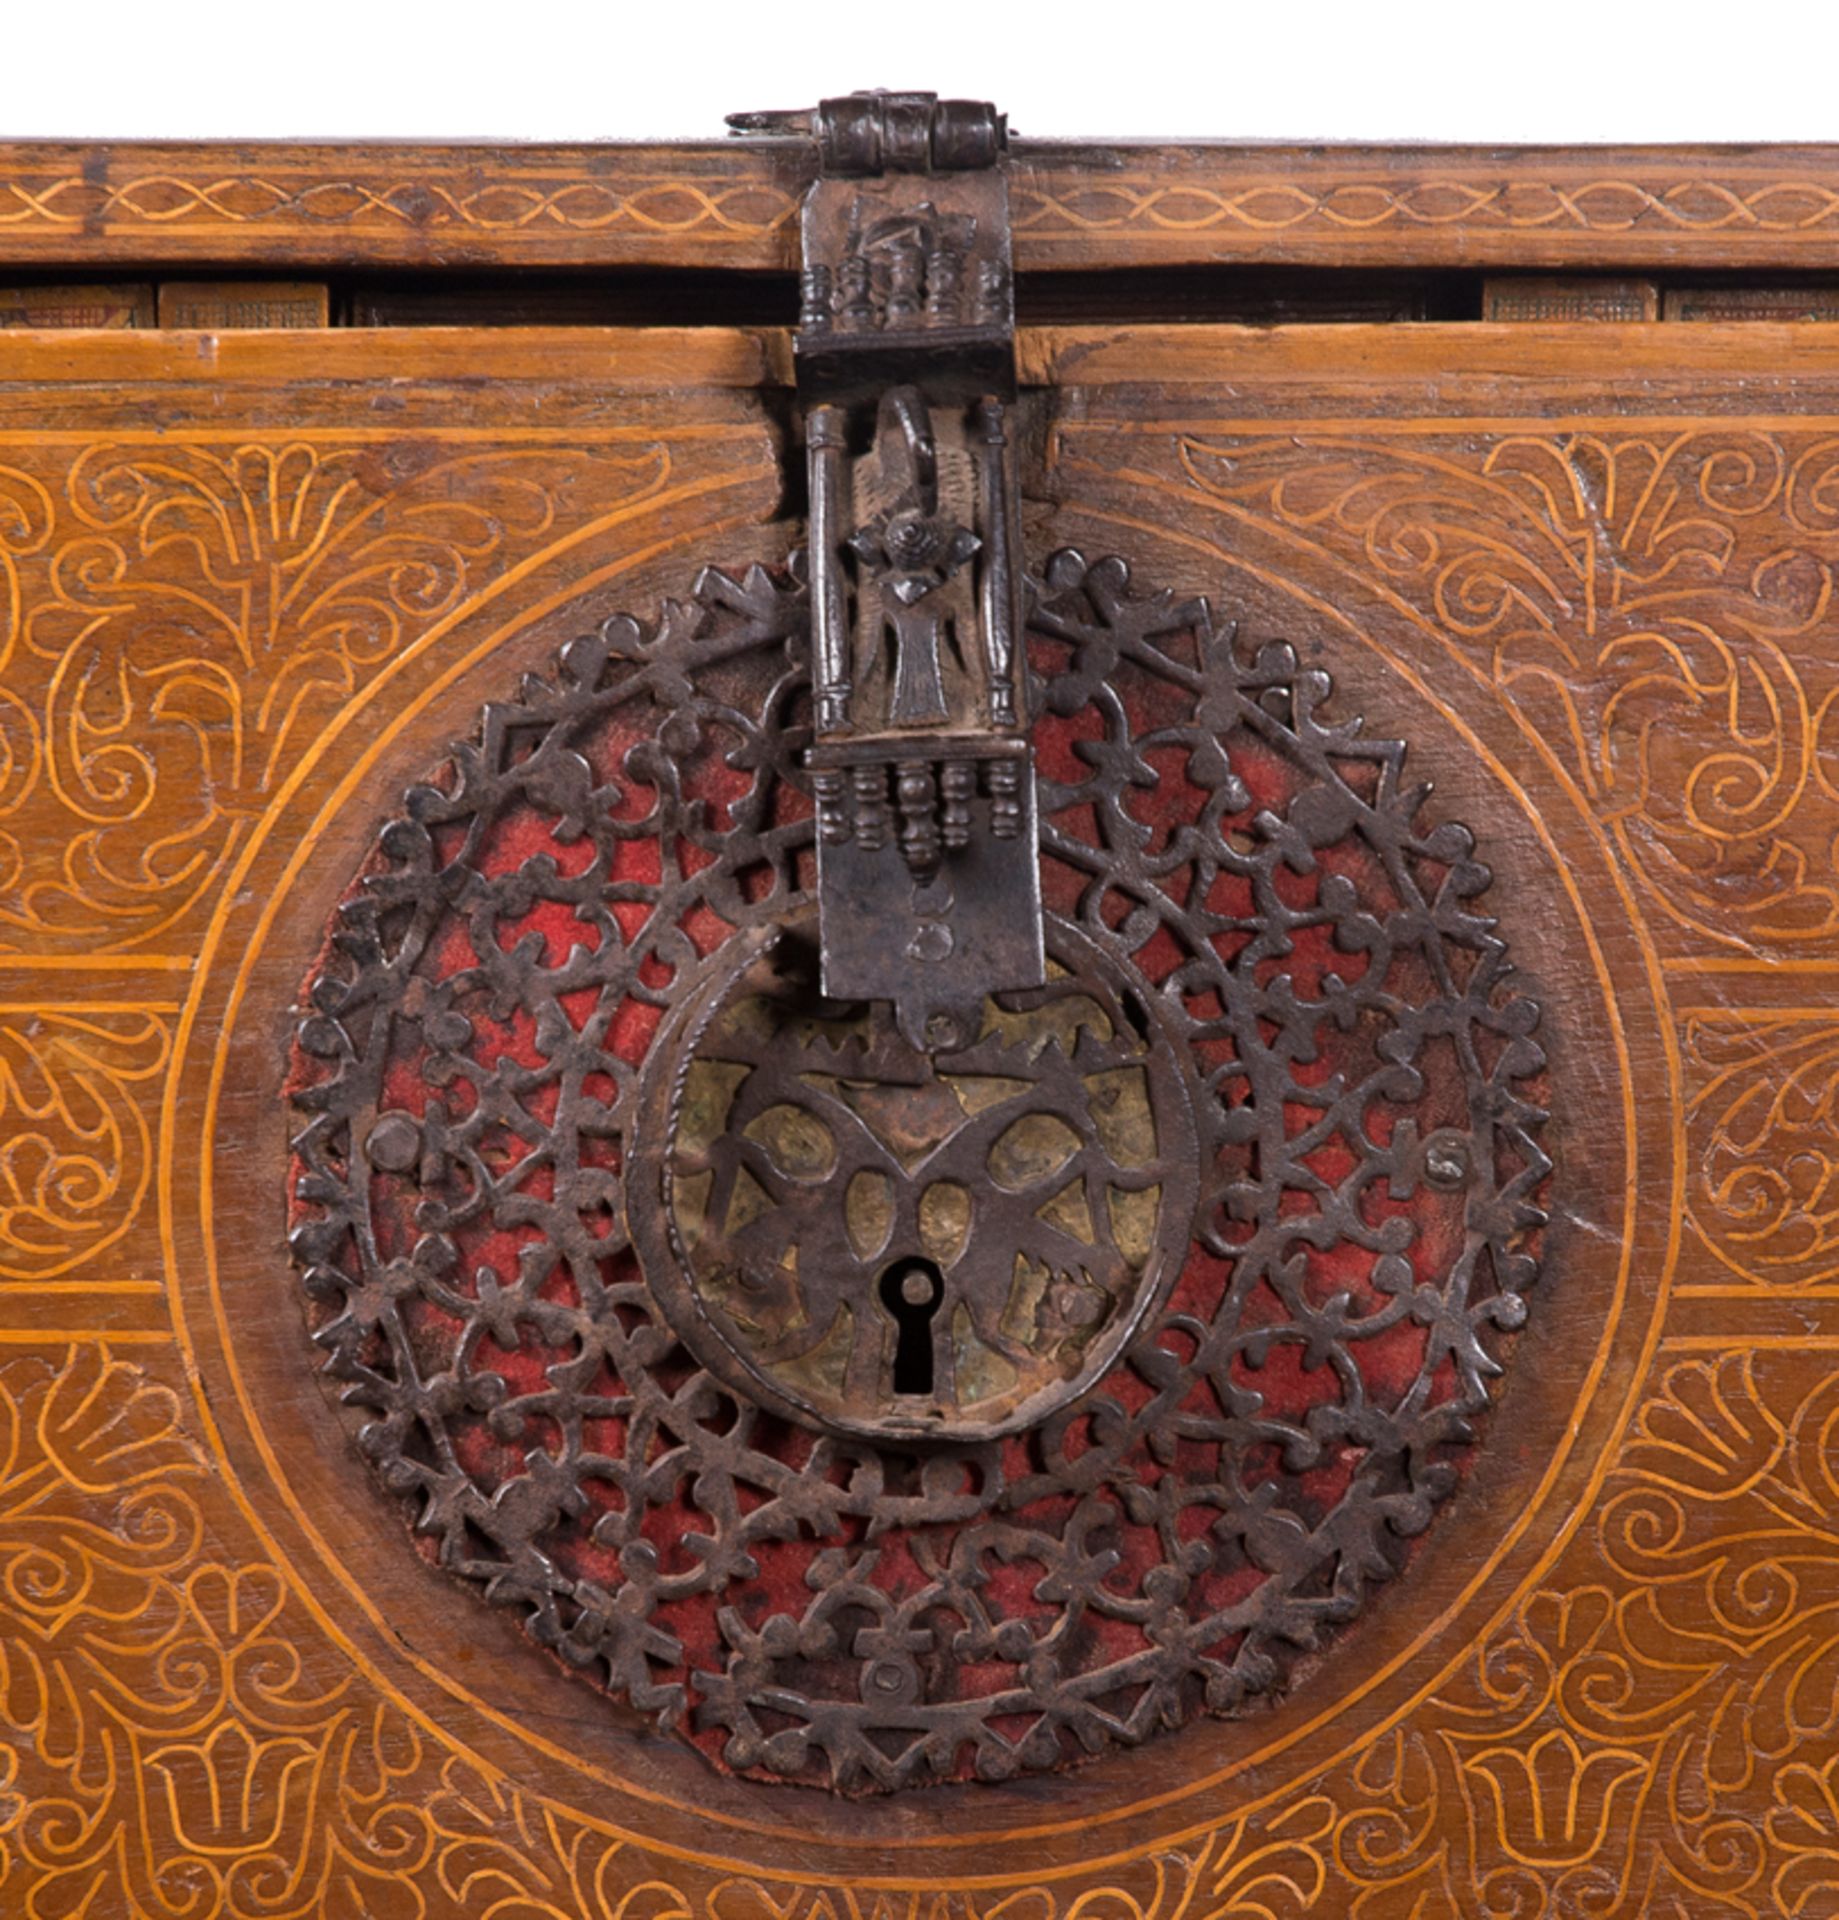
(249, 597)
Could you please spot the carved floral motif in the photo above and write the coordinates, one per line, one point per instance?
(1608, 1749)
(1647, 1735)
(1654, 607)
(1762, 1141)
(77, 1089)
(179, 620)
(179, 1743)
(183, 1743)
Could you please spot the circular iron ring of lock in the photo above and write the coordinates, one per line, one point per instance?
(907, 1247)
(1197, 1427)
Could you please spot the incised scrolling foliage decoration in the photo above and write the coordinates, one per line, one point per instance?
(1644, 1736)
(179, 621)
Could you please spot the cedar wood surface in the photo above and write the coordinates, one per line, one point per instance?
(1587, 573)
(734, 204)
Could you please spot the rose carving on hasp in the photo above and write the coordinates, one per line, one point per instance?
(1262, 1158)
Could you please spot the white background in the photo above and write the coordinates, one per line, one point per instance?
(1493, 70)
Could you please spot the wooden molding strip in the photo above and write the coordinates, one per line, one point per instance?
(679, 362)
(662, 360)
(1536, 207)
(1618, 359)
(734, 204)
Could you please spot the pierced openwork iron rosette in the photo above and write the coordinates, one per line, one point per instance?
(873, 1417)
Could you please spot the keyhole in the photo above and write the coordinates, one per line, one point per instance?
(911, 1291)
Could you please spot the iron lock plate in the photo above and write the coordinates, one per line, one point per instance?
(928, 881)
